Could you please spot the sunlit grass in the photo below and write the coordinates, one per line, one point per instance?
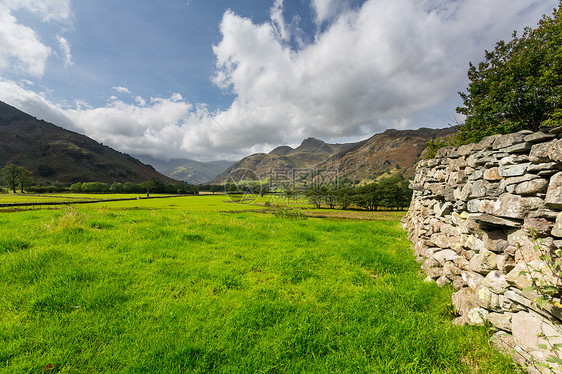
(15, 198)
(180, 287)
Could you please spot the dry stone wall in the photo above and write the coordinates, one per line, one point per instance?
(472, 212)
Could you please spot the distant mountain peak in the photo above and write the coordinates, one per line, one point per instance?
(281, 150)
(311, 141)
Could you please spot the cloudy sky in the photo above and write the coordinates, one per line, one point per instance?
(220, 79)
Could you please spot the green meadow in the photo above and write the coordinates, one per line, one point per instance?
(200, 285)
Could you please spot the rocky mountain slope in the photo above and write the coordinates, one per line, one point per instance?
(388, 153)
(310, 153)
(55, 154)
(183, 169)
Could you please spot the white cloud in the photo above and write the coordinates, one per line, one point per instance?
(21, 49)
(368, 69)
(325, 10)
(48, 10)
(278, 21)
(140, 101)
(65, 49)
(121, 89)
(166, 127)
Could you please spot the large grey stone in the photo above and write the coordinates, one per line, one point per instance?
(451, 270)
(474, 160)
(517, 148)
(519, 276)
(458, 164)
(492, 174)
(488, 300)
(548, 166)
(501, 321)
(555, 151)
(458, 283)
(448, 229)
(557, 229)
(467, 149)
(516, 180)
(483, 262)
(505, 263)
(554, 192)
(515, 206)
(539, 226)
(530, 330)
(464, 300)
(444, 152)
(472, 242)
(432, 268)
(544, 213)
(441, 210)
(479, 188)
(496, 282)
(477, 317)
(539, 152)
(525, 247)
(532, 187)
(508, 140)
(493, 220)
(442, 281)
(506, 171)
(461, 262)
(488, 142)
(445, 256)
(538, 137)
(472, 279)
(473, 206)
(440, 240)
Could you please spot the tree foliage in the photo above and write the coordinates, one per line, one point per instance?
(390, 193)
(519, 84)
(15, 176)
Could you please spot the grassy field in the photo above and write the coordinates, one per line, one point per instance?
(178, 285)
(27, 198)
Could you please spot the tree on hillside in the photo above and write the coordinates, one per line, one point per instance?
(518, 86)
(12, 174)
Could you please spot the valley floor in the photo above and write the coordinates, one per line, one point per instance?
(181, 285)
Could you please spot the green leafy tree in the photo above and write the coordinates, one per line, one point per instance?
(116, 187)
(149, 185)
(25, 179)
(11, 174)
(519, 84)
(345, 197)
(76, 187)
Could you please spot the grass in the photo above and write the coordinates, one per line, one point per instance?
(181, 287)
(26, 198)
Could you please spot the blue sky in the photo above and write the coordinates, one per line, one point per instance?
(217, 79)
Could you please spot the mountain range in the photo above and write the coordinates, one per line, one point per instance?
(184, 169)
(55, 154)
(389, 153)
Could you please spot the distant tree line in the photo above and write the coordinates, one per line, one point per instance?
(391, 193)
(148, 187)
(18, 178)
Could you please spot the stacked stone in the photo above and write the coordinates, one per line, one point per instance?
(470, 220)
